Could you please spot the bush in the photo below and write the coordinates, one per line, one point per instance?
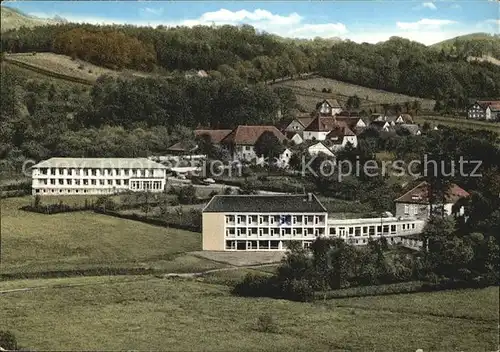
(187, 195)
(8, 341)
(105, 202)
(298, 290)
(212, 194)
(266, 323)
(81, 67)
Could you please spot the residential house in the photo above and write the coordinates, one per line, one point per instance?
(216, 136)
(241, 142)
(319, 127)
(340, 136)
(86, 176)
(484, 110)
(329, 107)
(415, 202)
(381, 126)
(182, 148)
(294, 137)
(320, 148)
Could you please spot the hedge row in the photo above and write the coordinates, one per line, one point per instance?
(14, 193)
(149, 220)
(407, 287)
(57, 208)
(79, 272)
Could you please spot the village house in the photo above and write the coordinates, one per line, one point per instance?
(484, 110)
(413, 129)
(340, 136)
(329, 107)
(381, 126)
(320, 148)
(415, 203)
(241, 144)
(216, 136)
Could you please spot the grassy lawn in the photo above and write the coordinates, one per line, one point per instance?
(469, 304)
(82, 240)
(189, 315)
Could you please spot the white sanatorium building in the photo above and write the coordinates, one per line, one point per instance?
(264, 222)
(97, 176)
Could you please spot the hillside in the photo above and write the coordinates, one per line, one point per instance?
(474, 45)
(309, 92)
(13, 18)
(63, 67)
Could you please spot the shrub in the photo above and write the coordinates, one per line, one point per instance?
(105, 202)
(8, 341)
(266, 323)
(212, 194)
(187, 195)
(298, 290)
(90, 71)
(324, 90)
(81, 67)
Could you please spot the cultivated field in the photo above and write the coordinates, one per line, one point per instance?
(35, 243)
(146, 313)
(342, 91)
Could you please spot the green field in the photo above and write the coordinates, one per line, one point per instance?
(459, 123)
(146, 313)
(83, 240)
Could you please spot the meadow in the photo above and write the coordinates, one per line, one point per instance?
(37, 243)
(341, 90)
(459, 123)
(147, 313)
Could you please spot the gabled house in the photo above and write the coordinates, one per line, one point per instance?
(352, 122)
(216, 136)
(416, 203)
(381, 126)
(320, 148)
(294, 137)
(290, 125)
(241, 142)
(340, 136)
(484, 110)
(319, 128)
(329, 107)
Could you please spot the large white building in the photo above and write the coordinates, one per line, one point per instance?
(63, 176)
(263, 222)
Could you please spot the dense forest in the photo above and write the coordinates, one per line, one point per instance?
(397, 65)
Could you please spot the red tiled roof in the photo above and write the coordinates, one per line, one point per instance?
(215, 135)
(420, 194)
(321, 124)
(339, 131)
(248, 135)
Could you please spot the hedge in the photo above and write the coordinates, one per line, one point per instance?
(14, 193)
(149, 220)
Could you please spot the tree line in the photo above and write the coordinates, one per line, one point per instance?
(397, 65)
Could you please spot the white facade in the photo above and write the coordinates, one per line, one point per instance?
(315, 135)
(247, 153)
(297, 139)
(264, 232)
(318, 148)
(359, 231)
(64, 176)
(327, 109)
(422, 211)
(257, 231)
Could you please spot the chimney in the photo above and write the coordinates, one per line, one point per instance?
(309, 197)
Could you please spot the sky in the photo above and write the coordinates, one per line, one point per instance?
(369, 21)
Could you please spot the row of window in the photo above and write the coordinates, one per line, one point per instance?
(96, 172)
(231, 232)
(274, 219)
(83, 182)
(73, 191)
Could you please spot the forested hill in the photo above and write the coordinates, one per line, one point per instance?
(397, 65)
(475, 44)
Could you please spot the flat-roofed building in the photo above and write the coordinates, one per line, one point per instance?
(64, 176)
(359, 231)
(262, 222)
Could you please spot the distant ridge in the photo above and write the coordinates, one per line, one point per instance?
(13, 18)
